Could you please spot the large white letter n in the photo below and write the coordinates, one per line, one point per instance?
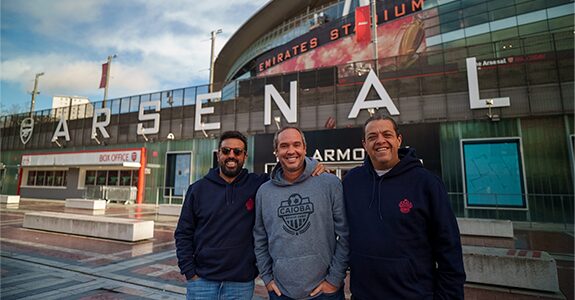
(290, 113)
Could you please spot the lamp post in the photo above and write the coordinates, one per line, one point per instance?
(212, 58)
(110, 57)
(34, 93)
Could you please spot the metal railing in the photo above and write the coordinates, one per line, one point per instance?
(538, 208)
(166, 195)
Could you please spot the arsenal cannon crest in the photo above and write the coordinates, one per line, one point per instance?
(295, 212)
(26, 128)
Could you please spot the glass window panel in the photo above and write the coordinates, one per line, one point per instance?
(476, 30)
(190, 96)
(31, 178)
(101, 177)
(125, 177)
(58, 178)
(41, 178)
(504, 34)
(480, 39)
(90, 178)
(112, 178)
(561, 23)
(533, 28)
(480, 19)
(134, 178)
(134, 103)
(124, 105)
(178, 97)
(65, 178)
(532, 17)
(451, 26)
(451, 6)
(531, 5)
(474, 10)
(502, 13)
(166, 99)
(560, 11)
(49, 178)
(114, 106)
(453, 35)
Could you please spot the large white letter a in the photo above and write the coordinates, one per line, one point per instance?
(384, 101)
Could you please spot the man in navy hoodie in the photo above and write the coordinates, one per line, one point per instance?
(214, 242)
(404, 239)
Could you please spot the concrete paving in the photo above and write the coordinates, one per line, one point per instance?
(38, 264)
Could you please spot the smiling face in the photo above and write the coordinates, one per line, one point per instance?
(382, 144)
(290, 151)
(231, 164)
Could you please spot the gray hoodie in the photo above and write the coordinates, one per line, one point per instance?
(301, 233)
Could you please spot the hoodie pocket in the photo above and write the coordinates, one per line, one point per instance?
(225, 260)
(395, 277)
(299, 275)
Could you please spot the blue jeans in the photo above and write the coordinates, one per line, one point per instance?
(339, 295)
(202, 289)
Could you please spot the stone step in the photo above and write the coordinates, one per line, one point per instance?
(485, 227)
(526, 269)
(170, 209)
(95, 226)
(10, 199)
(85, 203)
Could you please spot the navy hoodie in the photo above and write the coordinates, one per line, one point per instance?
(404, 239)
(214, 234)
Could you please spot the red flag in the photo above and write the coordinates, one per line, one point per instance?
(362, 25)
(104, 79)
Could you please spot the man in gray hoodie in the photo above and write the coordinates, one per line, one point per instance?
(300, 233)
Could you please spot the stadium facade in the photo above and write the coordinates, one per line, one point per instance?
(483, 90)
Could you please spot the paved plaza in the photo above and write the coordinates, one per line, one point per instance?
(38, 264)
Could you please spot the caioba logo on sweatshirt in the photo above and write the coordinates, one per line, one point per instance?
(295, 212)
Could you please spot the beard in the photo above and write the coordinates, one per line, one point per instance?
(231, 172)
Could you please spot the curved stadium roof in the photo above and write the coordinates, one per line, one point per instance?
(274, 13)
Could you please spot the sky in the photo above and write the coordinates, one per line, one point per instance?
(159, 45)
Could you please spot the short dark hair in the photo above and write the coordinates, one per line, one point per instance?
(381, 116)
(233, 134)
(284, 129)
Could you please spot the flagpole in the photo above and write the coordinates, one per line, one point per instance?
(374, 35)
(110, 57)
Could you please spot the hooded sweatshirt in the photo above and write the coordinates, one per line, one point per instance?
(214, 233)
(301, 234)
(404, 238)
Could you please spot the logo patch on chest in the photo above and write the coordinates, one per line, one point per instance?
(405, 206)
(295, 212)
(250, 204)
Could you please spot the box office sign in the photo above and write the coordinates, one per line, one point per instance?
(122, 157)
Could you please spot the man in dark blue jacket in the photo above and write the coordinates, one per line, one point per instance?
(404, 239)
(214, 241)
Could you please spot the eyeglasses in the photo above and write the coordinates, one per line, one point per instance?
(237, 151)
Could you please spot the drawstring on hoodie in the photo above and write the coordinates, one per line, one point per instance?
(378, 196)
(372, 191)
(379, 199)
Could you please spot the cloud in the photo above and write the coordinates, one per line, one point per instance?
(65, 76)
(160, 45)
(56, 17)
